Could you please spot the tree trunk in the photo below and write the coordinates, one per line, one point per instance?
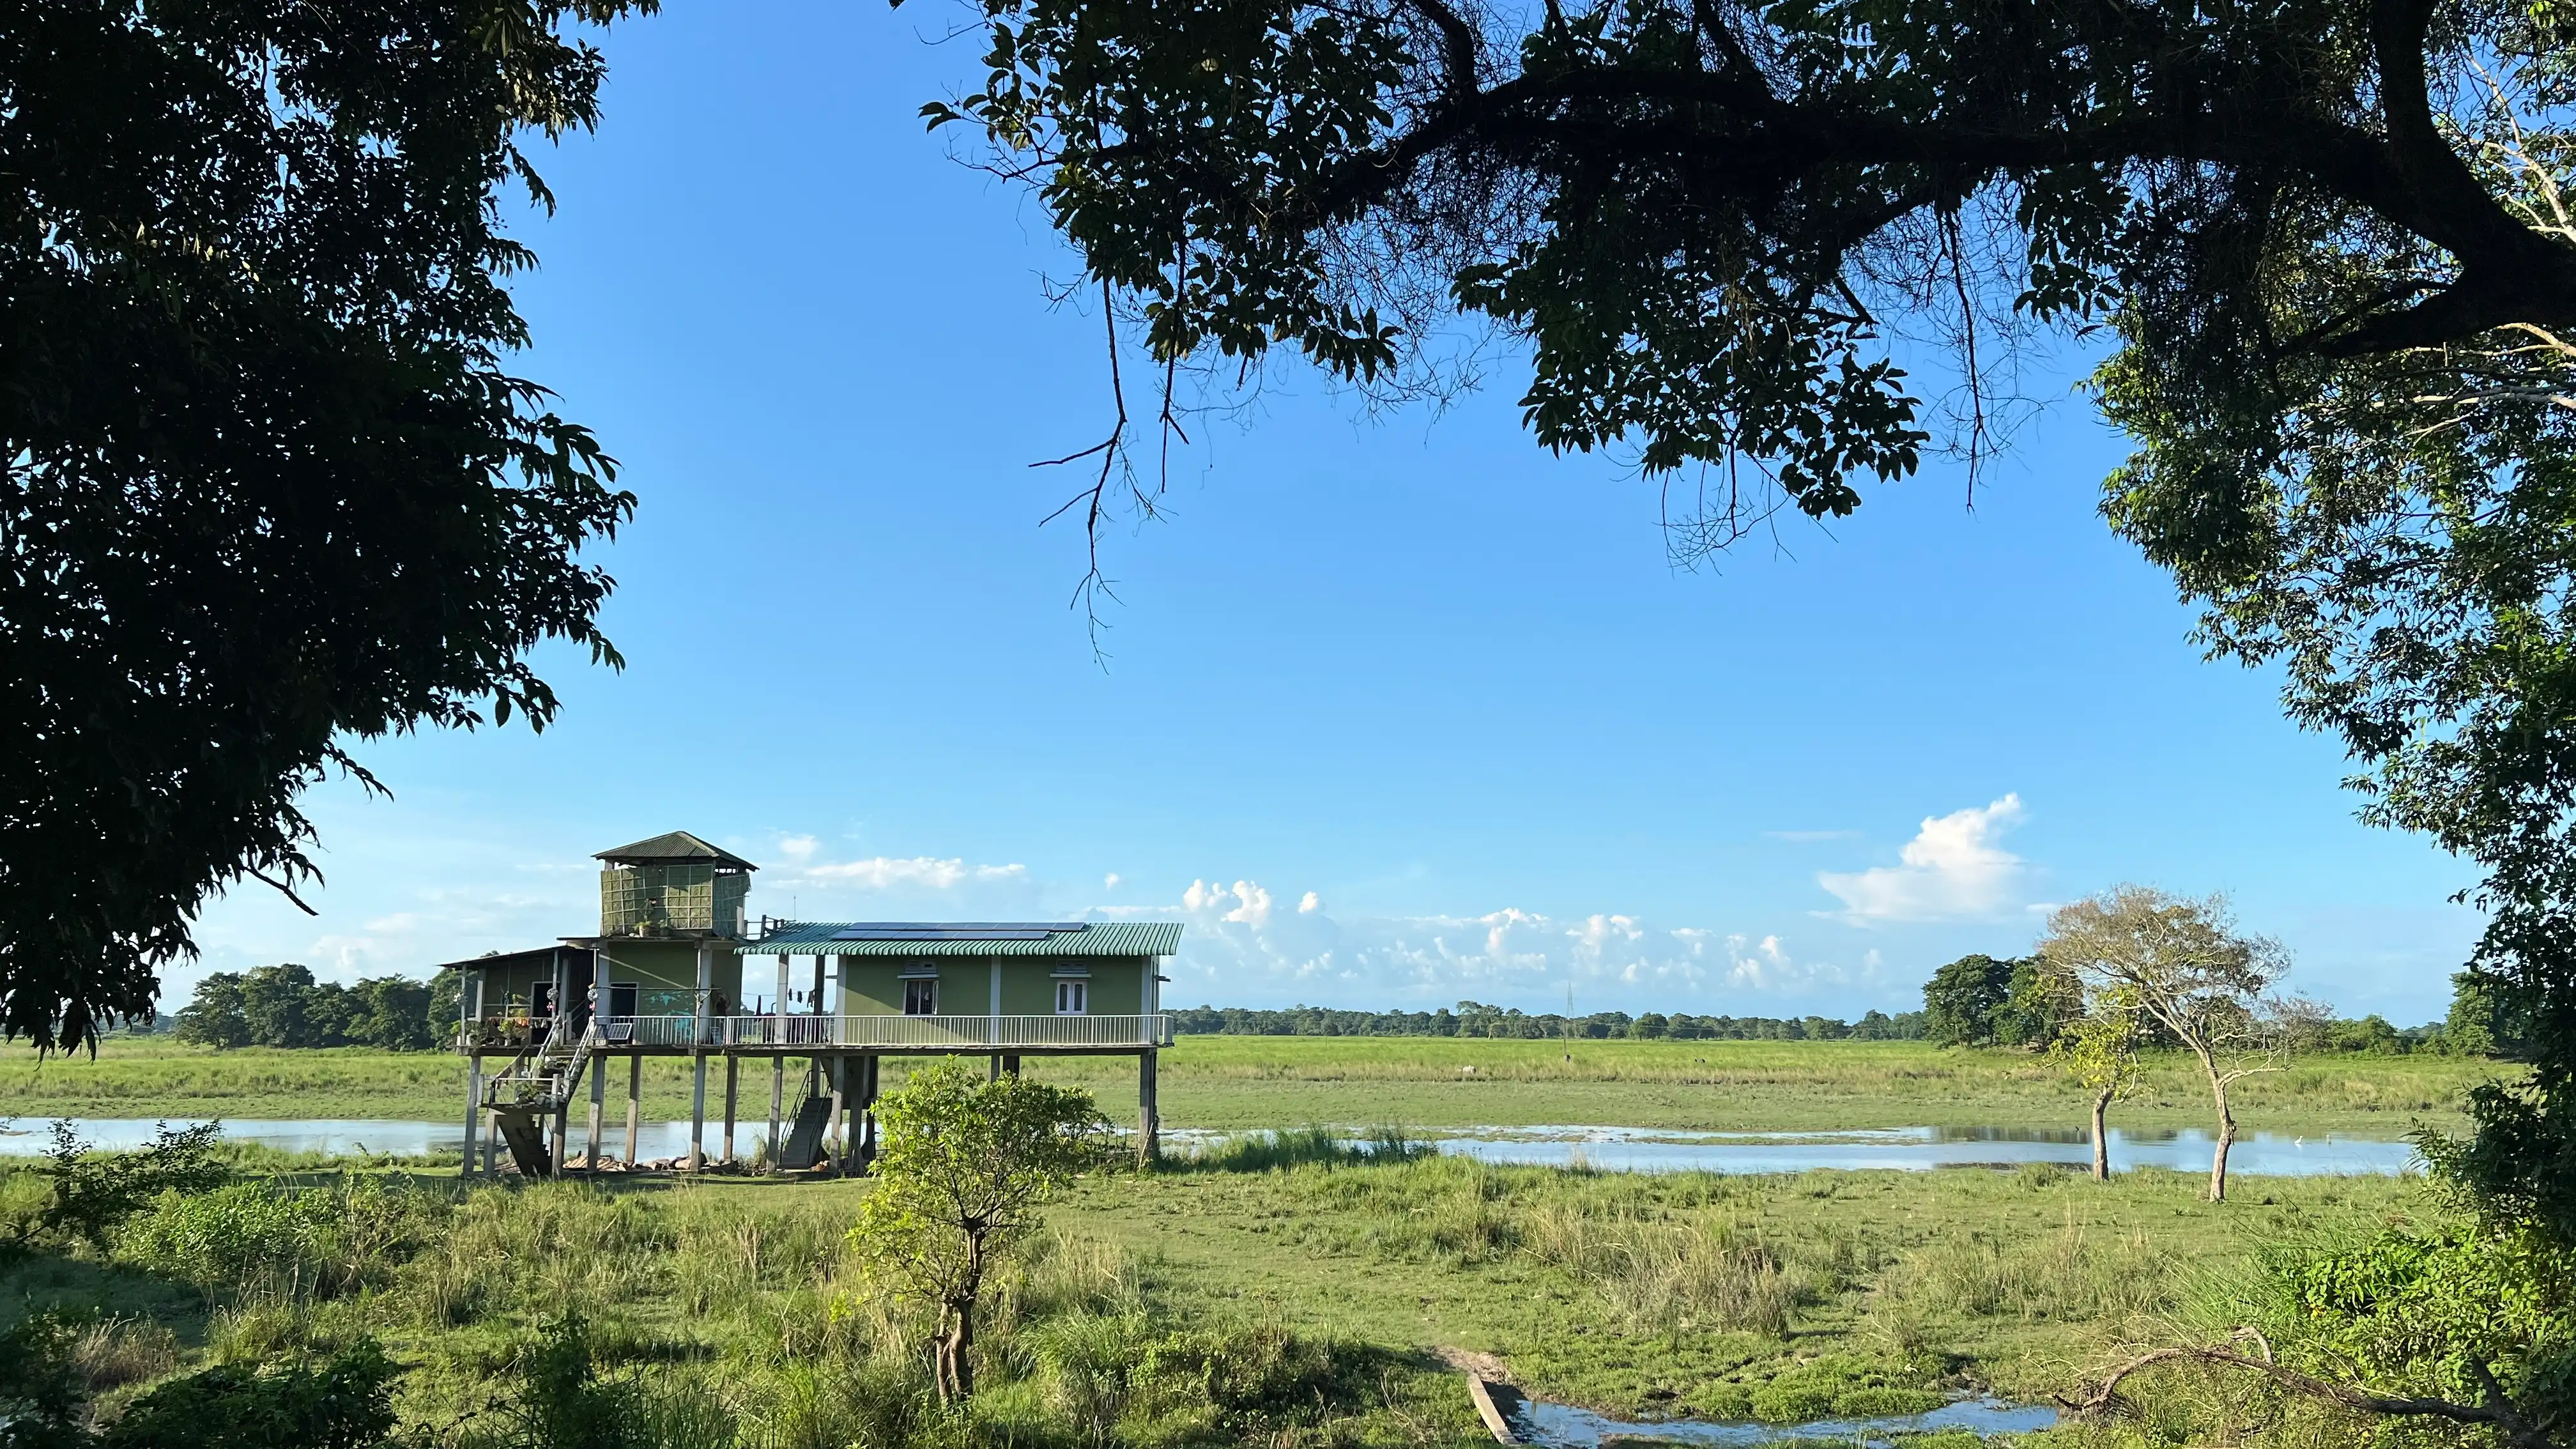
(956, 1347)
(2226, 1132)
(954, 1364)
(2101, 1138)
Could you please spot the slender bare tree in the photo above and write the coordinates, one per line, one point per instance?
(2183, 963)
(2099, 1050)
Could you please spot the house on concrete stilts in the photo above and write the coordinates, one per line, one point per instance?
(680, 969)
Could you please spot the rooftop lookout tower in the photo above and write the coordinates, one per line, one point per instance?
(673, 885)
(679, 968)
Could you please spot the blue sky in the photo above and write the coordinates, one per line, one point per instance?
(1398, 709)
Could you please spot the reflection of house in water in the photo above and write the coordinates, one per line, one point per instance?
(679, 969)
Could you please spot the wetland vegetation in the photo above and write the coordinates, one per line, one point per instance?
(1285, 1290)
(1243, 1083)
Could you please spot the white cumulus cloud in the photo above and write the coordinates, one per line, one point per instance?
(1241, 949)
(1243, 904)
(887, 872)
(1951, 870)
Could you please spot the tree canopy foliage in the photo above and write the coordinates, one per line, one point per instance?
(283, 1006)
(2328, 245)
(265, 484)
(1986, 1001)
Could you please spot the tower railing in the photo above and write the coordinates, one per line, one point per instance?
(862, 1031)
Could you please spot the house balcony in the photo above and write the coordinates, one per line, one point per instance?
(798, 1034)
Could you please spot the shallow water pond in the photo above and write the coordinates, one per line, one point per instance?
(1623, 1149)
(1562, 1426)
(1607, 1149)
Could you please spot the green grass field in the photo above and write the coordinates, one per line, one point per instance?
(1735, 1297)
(1234, 1083)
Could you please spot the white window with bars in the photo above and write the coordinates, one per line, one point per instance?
(1072, 998)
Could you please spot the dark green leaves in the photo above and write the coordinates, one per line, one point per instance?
(267, 488)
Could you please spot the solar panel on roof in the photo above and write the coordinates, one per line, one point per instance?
(959, 930)
(1046, 926)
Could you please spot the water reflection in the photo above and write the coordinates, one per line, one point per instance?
(1624, 1149)
(1607, 1149)
(1563, 1427)
(334, 1137)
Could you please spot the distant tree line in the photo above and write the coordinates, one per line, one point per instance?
(1989, 1001)
(283, 1006)
(1474, 1018)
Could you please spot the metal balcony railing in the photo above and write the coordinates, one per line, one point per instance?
(959, 1033)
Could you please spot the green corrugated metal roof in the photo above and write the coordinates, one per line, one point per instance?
(1061, 938)
(677, 846)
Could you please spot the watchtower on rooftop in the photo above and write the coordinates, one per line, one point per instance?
(673, 885)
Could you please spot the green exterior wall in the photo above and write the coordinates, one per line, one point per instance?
(665, 972)
(873, 985)
(870, 988)
(506, 993)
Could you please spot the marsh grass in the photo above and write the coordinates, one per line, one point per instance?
(1667, 1276)
(111, 1353)
(1254, 1083)
(1289, 1304)
(2080, 1272)
(1310, 1146)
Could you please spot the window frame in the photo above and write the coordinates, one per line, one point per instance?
(926, 990)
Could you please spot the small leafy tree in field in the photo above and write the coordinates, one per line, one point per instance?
(1961, 999)
(2190, 972)
(964, 1165)
(2099, 1050)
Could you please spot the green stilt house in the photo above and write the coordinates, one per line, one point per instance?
(681, 969)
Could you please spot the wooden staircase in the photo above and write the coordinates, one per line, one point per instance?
(538, 1083)
(805, 1140)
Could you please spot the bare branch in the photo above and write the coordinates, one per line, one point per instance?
(279, 886)
(2497, 1412)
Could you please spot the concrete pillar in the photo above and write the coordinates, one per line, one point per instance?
(778, 1068)
(1149, 1117)
(474, 1112)
(634, 1104)
(492, 1145)
(698, 1062)
(733, 1071)
(867, 1110)
(600, 966)
(840, 1072)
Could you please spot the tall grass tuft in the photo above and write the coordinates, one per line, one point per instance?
(2074, 1274)
(113, 1352)
(1662, 1277)
(1319, 1146)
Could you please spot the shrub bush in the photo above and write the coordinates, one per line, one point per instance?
(236, 1235)
(343, 1403)
(94, 1193)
